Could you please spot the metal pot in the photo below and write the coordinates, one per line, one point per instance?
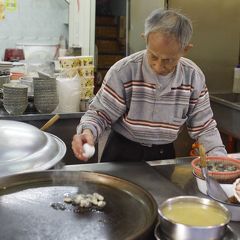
(159, 234)
(179, 231)
(26, 148)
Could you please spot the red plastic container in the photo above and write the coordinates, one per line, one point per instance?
(13, 54)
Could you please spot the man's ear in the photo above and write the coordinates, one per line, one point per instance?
(187, 48)
(143, 37)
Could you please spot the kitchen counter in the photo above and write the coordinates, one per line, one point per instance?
(151, 178)
(227, 118)
(226, 110)
(32, 116)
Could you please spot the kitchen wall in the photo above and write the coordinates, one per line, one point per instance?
(216, 38)
(138, 11)
(34, 21)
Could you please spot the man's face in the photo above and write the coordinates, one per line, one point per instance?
(163, 53)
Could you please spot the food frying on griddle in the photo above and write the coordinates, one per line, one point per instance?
(58, 206)
(81, 201)
(85, 200)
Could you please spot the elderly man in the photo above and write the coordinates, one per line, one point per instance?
(148, 96)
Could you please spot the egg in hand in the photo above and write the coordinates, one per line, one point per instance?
(88, 150)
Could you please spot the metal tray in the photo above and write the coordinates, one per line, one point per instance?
(25, 211)
(24, 148)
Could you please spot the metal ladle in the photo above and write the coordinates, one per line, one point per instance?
(214, 189)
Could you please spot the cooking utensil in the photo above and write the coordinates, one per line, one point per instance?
(214, 189)
(202, 185)
(180, 231)
(50, 122)
(130, 211)
(26, 148)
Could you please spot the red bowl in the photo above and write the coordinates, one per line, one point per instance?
(221, 176)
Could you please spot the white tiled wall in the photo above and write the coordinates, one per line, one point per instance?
(34, 21)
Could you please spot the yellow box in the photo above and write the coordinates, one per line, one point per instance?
(86, 92)
(86, 71)
(87, 82)
(75, 61)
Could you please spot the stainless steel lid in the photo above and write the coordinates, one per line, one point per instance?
(24, 148)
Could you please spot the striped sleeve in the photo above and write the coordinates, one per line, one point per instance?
(107, 106)
(201, 125)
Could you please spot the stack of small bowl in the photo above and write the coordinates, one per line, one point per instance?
(4, 79)
(15, 98)
(45, 94)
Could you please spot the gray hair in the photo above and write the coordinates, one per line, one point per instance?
(169, 22)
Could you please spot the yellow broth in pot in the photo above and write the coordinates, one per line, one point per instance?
(194, 214)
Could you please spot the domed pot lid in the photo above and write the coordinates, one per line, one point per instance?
(24, 148)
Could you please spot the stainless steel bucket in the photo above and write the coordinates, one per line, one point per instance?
(180, 231)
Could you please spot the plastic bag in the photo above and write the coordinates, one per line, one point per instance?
(68, 89)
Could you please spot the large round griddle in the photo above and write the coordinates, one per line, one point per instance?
(25, 211)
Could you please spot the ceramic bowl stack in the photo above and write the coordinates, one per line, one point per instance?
(45, 94)
(4, 74)
(5, 66)
(15, 98)
(4, 79)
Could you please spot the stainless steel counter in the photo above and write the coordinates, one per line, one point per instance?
(232, 100)
(180, 182)
(226, 109)
(37, 116)
(227, 118)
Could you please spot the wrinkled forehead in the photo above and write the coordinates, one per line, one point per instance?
(163, 45)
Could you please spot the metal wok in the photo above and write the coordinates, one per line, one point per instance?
(25, 211)
(24, 148)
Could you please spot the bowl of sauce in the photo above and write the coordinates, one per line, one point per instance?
(190, 217)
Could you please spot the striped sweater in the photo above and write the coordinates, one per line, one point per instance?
(151, 109)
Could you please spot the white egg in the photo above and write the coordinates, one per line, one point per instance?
(88, 150)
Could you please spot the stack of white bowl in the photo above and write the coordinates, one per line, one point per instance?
(45, 94)
(4, 79)
(15, 98)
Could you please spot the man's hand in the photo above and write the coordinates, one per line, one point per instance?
(77, 143)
